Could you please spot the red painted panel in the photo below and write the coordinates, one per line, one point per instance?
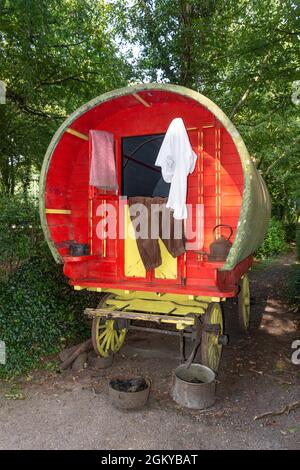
(58, 219)
(210, 222)
(226, 180)
(61, 233)
(230, 211)
(231, 169)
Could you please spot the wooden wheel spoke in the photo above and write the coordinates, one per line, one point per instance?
(106, 339)
(102, 335)
(108, 342)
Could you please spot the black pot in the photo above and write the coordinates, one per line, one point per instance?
(79, 249)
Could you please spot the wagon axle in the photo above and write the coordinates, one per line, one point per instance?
(199, 328)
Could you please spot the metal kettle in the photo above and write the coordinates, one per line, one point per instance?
(219, 248)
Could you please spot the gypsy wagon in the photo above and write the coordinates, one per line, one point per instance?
(184, 294)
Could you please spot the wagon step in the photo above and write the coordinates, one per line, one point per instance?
(181, 322)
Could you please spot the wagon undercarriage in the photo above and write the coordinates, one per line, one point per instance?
(193, 318)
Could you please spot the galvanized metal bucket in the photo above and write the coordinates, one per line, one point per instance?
(194, 387)
(129, 400)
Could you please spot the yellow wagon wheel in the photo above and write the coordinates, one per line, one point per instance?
(244, 304)
(211, 350)
(108, 336)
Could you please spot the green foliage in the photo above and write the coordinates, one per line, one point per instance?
(39, 313)
(275, 240)
(15, 393)
(245, 57)
(20, 231)
(298, 240)
(290, 232)
(55, 56)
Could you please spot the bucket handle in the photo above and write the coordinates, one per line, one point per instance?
(224, 225)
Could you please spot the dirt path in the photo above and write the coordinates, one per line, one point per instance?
(67, 411)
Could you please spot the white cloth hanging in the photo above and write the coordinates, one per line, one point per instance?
(176, 159)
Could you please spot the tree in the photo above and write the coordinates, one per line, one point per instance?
(55, 55)
(244, 56)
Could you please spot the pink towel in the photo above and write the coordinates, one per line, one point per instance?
(103, 165)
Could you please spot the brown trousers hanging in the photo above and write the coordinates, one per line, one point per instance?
(151, 224)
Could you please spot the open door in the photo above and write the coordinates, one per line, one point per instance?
(140, 177)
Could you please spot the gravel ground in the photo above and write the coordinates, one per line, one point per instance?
(72, 410)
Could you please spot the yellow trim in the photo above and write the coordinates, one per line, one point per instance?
(157, 306)
(153, 295)
(58, 211)
(77, 134)
(141, 100)
(168, 267)
(92, 289)
(133, 265)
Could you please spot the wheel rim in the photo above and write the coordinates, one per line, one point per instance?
(245, 299)
(106, 337)
(214, 348)
(211, 349)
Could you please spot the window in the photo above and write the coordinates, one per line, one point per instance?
(140, 176)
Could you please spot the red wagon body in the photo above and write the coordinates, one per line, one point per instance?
(224, 181)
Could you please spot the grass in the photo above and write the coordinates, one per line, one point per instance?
(260, 265)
